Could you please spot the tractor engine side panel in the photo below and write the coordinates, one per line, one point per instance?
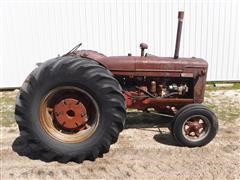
(143, 92)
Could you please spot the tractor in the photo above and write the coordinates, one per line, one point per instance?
(73, 107)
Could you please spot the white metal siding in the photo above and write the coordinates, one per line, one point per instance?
(34, 31)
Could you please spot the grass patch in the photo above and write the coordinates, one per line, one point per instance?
(236, 86)
(211, 86)
(7, 119)
(223, 114)
(225, 104)
(7, 104)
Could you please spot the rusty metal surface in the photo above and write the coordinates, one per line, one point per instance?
(157, 103)
(89, 54)
(70, 113)
(59, 121)
(153, 66)
(196, 128)
(119, 63)
(142, 103)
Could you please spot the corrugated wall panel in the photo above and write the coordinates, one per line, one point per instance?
(33, 31)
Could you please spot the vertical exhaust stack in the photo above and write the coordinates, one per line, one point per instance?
(179, 31)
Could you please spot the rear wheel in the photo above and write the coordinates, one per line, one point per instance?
(69, 114)
(70, 109)
(194, 125)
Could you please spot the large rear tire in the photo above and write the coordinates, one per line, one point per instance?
(70, 109)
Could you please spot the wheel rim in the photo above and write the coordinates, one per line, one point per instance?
(196, 128)
(69, 114)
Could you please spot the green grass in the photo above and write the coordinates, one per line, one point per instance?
(236, 86)
(7, 104)
(226, 107)
(210, 86)
(226, 115)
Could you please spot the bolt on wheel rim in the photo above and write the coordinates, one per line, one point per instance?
(196, 128)
(69, 114)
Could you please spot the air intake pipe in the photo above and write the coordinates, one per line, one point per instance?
(179, 31)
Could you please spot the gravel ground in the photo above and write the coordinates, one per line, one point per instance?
(143, 151)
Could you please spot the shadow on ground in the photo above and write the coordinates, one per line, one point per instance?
(137, 120)
(146, 120)
(166, 139)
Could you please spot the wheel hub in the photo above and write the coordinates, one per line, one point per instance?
(194, 127)
(70, 113)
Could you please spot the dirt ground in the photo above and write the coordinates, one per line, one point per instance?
(145, 149)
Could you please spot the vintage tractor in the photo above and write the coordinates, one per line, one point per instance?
(73, 107)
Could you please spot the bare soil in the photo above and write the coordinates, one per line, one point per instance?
(145, 149)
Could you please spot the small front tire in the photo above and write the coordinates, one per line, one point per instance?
(194, 125)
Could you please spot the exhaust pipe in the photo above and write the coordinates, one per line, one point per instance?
(179, 31)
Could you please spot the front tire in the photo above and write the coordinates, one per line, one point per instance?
(194, 125)
(70, 109)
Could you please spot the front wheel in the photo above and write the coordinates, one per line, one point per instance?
(194, 125)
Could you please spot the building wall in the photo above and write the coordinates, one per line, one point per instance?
(34, 31)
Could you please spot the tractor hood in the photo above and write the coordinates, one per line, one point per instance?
(149, 65)
(136, 63)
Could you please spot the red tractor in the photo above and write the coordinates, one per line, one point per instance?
(73, 107)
